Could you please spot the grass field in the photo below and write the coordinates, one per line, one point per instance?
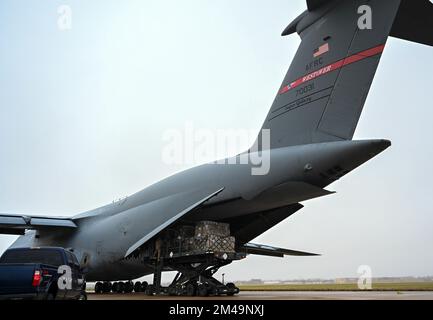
(404, 286)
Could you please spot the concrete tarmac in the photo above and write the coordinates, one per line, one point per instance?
(283, 295)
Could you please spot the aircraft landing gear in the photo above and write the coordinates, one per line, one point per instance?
(207, 286)
(192, 279)
(195, 277)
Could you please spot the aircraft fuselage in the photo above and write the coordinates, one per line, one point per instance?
(296, 174)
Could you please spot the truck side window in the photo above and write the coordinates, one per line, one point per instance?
(74, 257)
(72, 260)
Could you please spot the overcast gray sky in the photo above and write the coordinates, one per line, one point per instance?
(83, 112)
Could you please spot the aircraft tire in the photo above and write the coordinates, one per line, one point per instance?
(212, 291)
(129, 286)
(106, 287)
(202, 290)
(190, 290)
(121, 287)
(98, 287)
(231, 289)
(172, 291)
(149, 290)
(137, 286)
(144, 285)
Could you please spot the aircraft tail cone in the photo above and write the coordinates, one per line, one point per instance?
(334, 160)
(359, 152)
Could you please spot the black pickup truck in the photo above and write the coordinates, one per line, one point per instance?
(33, 273)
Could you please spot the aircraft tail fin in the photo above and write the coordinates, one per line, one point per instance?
(324, 91)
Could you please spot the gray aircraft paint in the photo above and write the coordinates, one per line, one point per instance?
(311, 147)
(106, 234)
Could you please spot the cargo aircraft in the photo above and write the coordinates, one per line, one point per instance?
(311, 124)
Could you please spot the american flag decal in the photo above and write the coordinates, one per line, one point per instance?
(321, 50)
(334, 66)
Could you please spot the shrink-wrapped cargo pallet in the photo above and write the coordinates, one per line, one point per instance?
(212, 243)
(207, 236)
(206, 228)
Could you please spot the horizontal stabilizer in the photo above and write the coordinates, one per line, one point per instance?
(315, 4)
(17, 224)
(264, 250)
(291, 192)
(414, 22)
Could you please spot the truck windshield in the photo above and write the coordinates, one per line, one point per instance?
(42, 256)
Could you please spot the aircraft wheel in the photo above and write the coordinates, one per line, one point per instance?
(144, 285)
(212, 291)
(121, 287)
(202, 290)
(232, 289)
(98, 287)
(137, 286)
(106, 287)
(129, 287)
(190, 290)
(149, 290)
(230, 285)
(115, 287)
(180, 291)
(172, 291)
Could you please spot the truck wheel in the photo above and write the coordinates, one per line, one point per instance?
(50, 296)
(52, 292)
(115, 287)
(82, 296)
(98, 287)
